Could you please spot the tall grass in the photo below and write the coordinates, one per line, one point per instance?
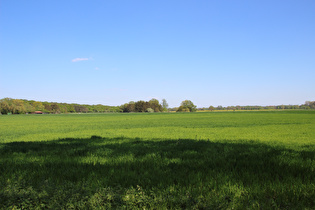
(181, 160)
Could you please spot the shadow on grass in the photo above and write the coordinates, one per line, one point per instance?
(97, 162)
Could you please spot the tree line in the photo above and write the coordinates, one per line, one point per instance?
(307, 105)
(145, 106)
(22, 106)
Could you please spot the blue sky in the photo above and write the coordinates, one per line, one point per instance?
(220, 52)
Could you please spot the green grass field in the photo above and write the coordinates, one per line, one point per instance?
(209, 160)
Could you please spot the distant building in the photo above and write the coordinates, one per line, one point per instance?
(38, 112)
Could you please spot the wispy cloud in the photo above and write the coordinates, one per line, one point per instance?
(79, 59)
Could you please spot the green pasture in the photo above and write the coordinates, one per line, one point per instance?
(207, 160)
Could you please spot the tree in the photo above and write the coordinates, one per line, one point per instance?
(63, 108)
(70, 108)
(311, 104)
(129, 107)
(29, 108)
(182, 109)
(47, 107)
(164, 105)
(141, 106)
(211, 108)
(55, 108)
(155, 105)
(189, 105)
(80, 108)
(6, 105)
(38, 106)
(18, 106)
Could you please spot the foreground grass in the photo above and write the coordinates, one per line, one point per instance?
(201, 160)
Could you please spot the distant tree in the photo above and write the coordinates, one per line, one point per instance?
(304, 107)
(129, 107)
(38, 106)
(115, 109)
(312, 105)
(182, 109)
(70, 108)
(155, 105)
(141, 106)
(80, 108)
(189, 105)
(47, 107)
(18, 106)
(63, 108)
(6, 105)
(55, 108)
(164, 105)
(98, 108)
(211, 108)
(29, 108)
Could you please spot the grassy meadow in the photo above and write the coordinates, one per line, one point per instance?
(208, 160)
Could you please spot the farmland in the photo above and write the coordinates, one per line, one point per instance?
(209, 160)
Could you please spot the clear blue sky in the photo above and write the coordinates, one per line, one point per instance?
(213, 52)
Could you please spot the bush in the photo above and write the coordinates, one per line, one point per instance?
(183, 109)
(150, 110)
